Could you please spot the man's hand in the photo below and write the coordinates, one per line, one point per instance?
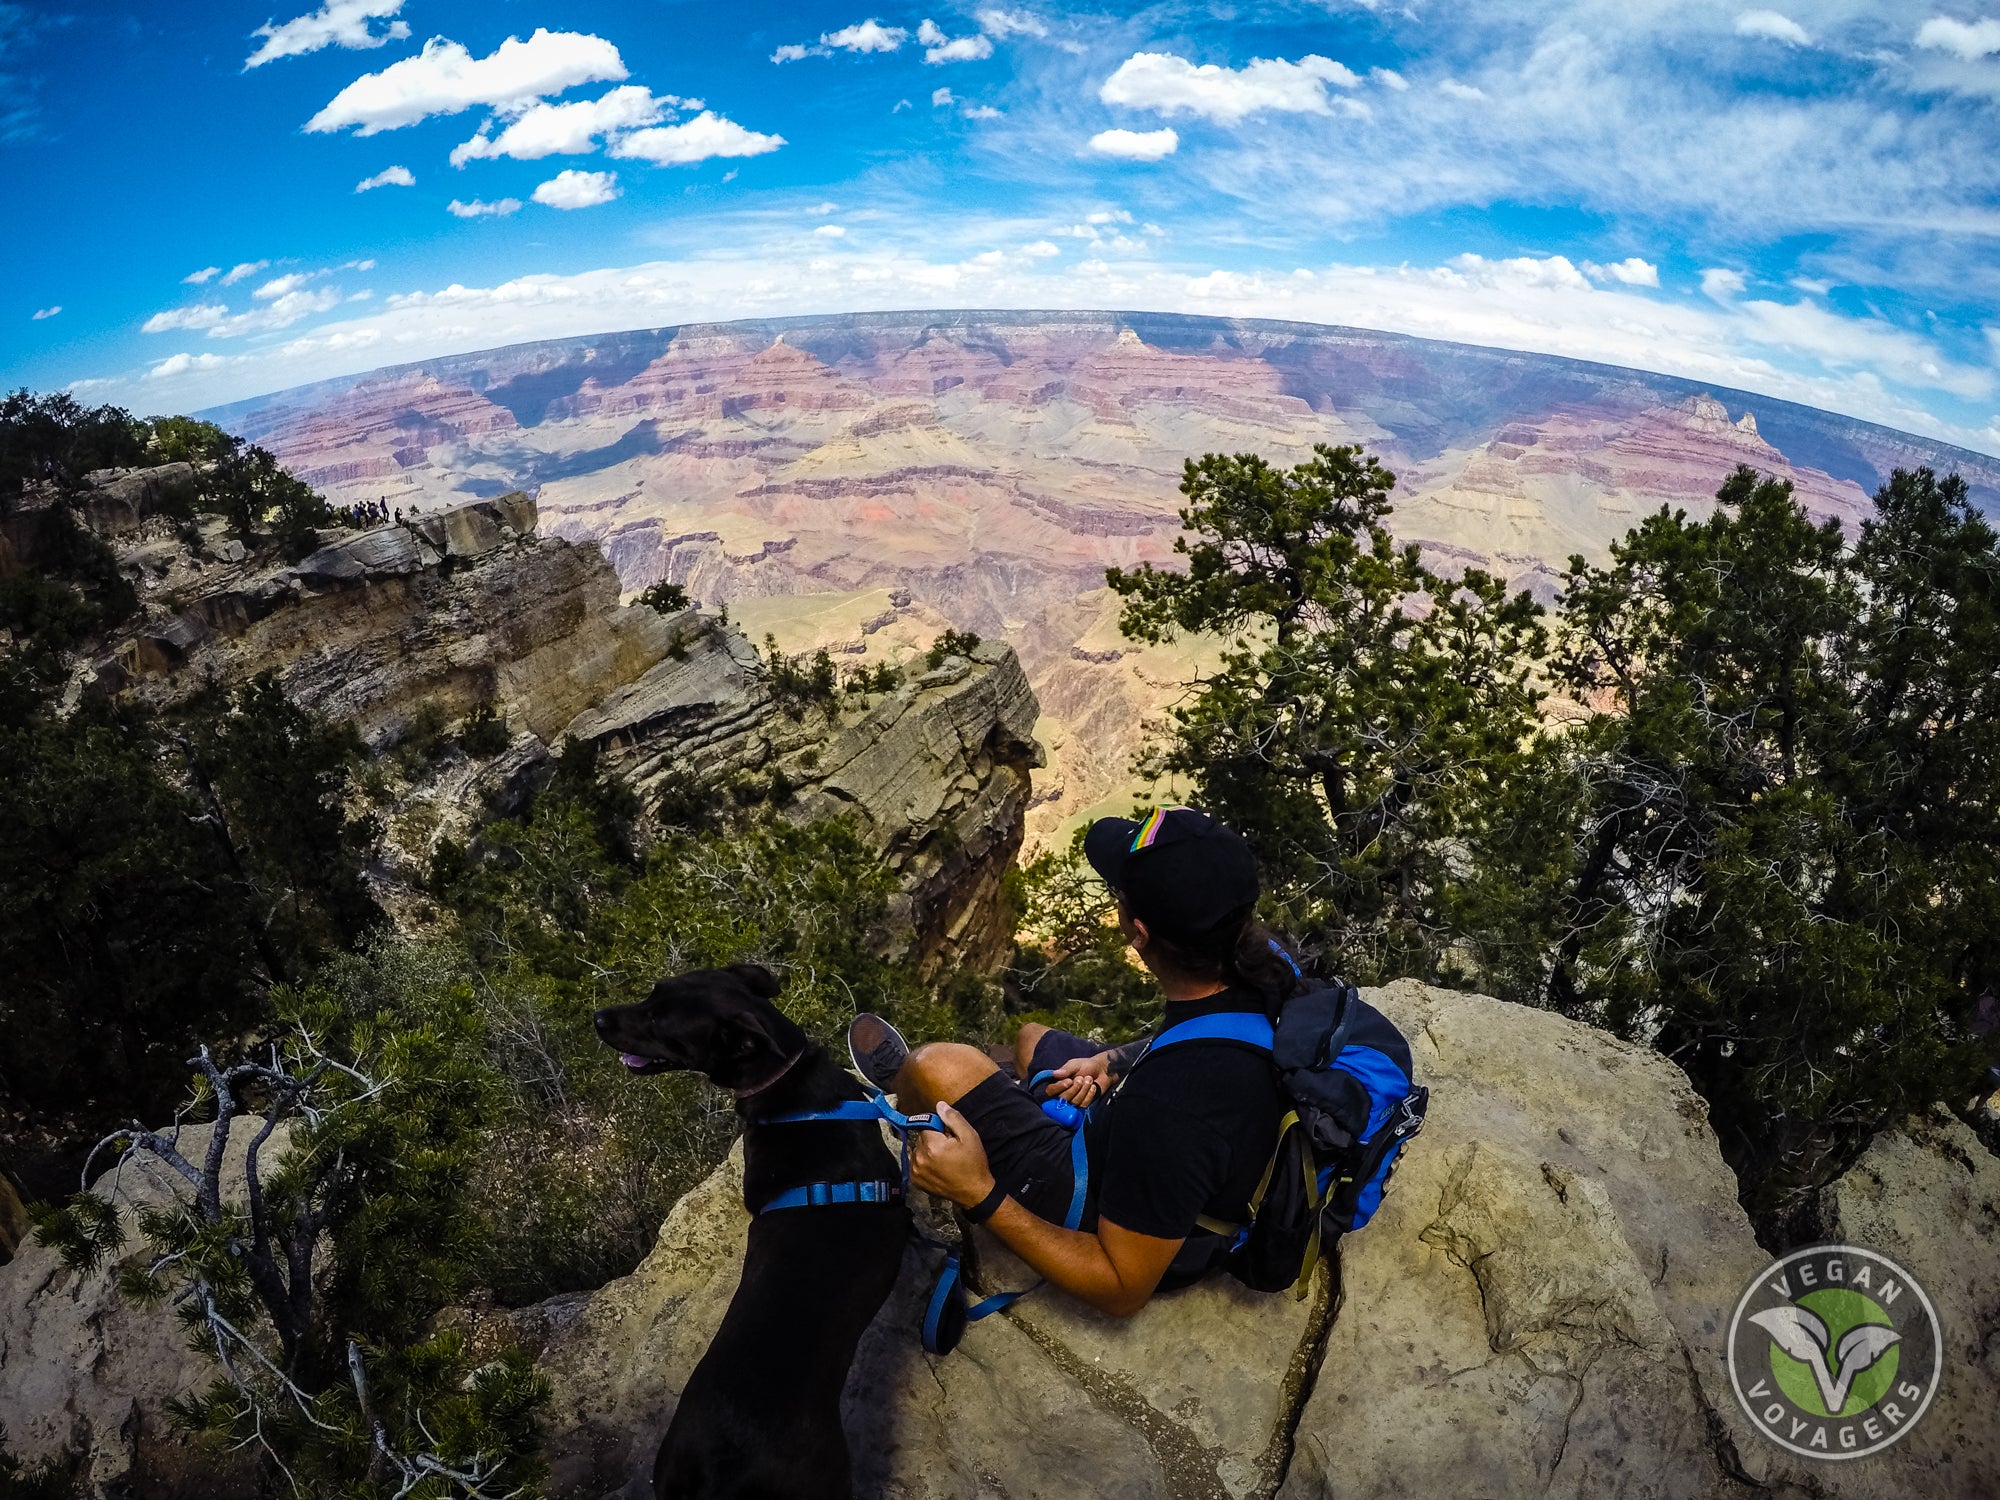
(1081, 1079)
(952, 1165)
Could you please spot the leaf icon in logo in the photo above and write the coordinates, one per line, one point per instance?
(1804, 1337)
(1860, 1347)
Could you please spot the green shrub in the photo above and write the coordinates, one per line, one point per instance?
(951, 643)
(800, 682)
(484, 733)
(667, 598)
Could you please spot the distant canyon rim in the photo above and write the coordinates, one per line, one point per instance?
(859, 482)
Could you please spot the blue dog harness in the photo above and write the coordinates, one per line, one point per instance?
(875, 1109)
(948, 1292)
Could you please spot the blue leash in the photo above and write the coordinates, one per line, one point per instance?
(949, 1288)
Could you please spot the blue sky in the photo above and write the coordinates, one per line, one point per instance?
(1800, 201)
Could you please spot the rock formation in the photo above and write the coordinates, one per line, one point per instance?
(933, 773)
(1538, 1309)
(991, 466)
(84, 1371)
(425, 620)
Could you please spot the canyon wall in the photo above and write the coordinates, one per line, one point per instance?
(860, 481)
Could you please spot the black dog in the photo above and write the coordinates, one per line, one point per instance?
(761, 1413)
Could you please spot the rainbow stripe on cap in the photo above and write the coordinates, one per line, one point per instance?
(1150, 829)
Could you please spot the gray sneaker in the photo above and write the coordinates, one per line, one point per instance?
(878, 1049)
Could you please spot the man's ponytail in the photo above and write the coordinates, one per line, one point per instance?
(1261, 963)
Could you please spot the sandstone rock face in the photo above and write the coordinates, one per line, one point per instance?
(119, 499)
(934, 774)
(992, 465)
(83, 1370)
(1928, 1197)
(467, 605)
(1539, 1308)
(457, 608)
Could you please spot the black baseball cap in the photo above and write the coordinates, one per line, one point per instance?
(1180, 871)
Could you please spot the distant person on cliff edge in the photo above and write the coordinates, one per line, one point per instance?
(1184, 1140)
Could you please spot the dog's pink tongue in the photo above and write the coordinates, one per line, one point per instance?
(633, 1060)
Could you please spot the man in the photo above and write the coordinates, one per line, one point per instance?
(1184, 1137)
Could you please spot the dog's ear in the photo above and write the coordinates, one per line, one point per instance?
(761, 1031)
(759, 980)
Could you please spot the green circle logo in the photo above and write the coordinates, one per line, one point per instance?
(1835, 1352)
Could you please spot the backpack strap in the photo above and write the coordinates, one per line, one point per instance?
(1252, 1028)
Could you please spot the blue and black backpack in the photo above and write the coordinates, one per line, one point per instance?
(1355, 1105)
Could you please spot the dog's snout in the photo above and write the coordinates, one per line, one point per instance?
(602, 1020)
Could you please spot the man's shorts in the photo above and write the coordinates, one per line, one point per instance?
(1028, 1153)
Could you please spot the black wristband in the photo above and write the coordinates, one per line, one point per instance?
(986, 1207)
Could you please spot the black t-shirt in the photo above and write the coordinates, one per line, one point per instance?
(1189, 1131)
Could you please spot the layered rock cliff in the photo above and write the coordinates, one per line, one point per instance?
(420, 622)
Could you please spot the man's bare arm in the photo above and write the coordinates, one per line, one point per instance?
(1114, 1270)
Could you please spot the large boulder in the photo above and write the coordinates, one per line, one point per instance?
(1927, 1195)
(84, 1371)
(1539, 1308)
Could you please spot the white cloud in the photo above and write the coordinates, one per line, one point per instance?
(1772, 26)
(278, 286)
(1721, 283)
(865, 36)
(831, 231)
(942, 97)
(981, 112)
(387, 177)
(180, 364)
(1817, 288)
(574, 189)
(338, 23)
(1136, 145)
(940, 48)
(354, 338)
(707, 134)
(822, 209)
(1451, 88)
(1168, 85)
(793, 52)
(1006, 23)
(1632, 271)
(446, 79)
(203, 315)
(281, 310)
(241, 270)
(1969, 41)
(480, 209)
(1389, 78)
(196, 278)
(45, 312)
(1522, 271)
(570, 129)
(1040, 250)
